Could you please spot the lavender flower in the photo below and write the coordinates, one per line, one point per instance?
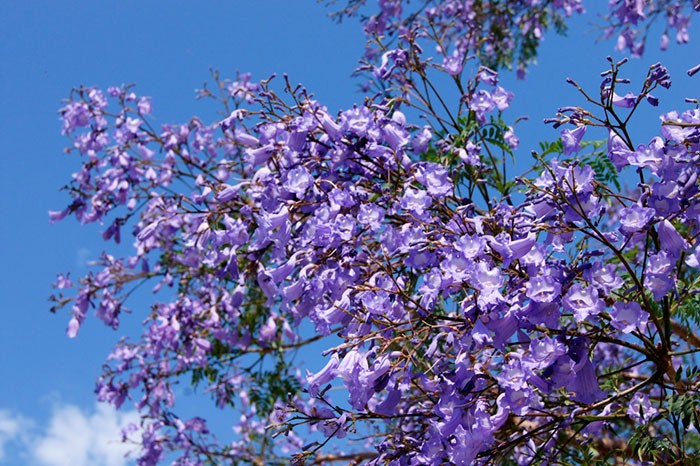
(628, 317)
(635, 218)
(640, 409)
(571, 139)
(583, 302)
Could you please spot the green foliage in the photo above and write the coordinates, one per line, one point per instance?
(684, 407)
(648, 447)
(494, 134)
(589, 455)
(549, 148)
(676, 442)
(688, 311)
(599, 161)
(605, 171)
(492, 137)
(272, 385)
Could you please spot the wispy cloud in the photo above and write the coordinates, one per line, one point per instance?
(82, 257)
(71, 437)
(13, 428)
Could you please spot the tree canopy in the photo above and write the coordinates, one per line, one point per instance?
(465, 314)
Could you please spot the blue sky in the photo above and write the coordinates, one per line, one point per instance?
(167, 48)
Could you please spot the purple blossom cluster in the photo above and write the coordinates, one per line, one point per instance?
(497, 34)
(466, 318)
(629, 20)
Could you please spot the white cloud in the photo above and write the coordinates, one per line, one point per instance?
(82, 257)
(74, 438)
(71, 437)
(12, 429)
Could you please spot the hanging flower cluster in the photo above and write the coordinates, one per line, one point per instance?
(467, 316)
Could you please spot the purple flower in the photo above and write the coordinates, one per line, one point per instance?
(583, 302)
(243, 89)
(354, 370)
(627, 101)
(544, 313)
(466, 445)
(618, 151)
(635, 218)
(377, 375)
(482, 103)
(503, 326)
(268, 331)
(671, 241)
(640, 409)
(543, 352)
(259, 155)
(653, 101)
(585, 383)
(390, 60)
(659, 277)
(339, 199)
(434, 178)
(58, 215)
(543, 289)
(650, 156)
(144, 106)
(628, 317)
(395, 135)
(660, 264)
(75, 115)
(487, 75)
(471, 154)
(510, 138)
(571, 139)
(388, 406)
(681, 128)
(376, 302)
(453, 63)
(333, 314)
(486, 279)
(512, 375)
(471, 246)
(73, 327)
(456, 267)
(322, 377)
(298, 181)
(517, 402)
(501, 98)
(334, 130)
(421, 139)
(579, 179)
(659, 74)
(585, 206)
(227, 193)
(416, 201)
(693, 259)
(509, 249)
(604, 277)
(370, 215)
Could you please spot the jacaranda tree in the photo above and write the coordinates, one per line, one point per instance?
(465, 314)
